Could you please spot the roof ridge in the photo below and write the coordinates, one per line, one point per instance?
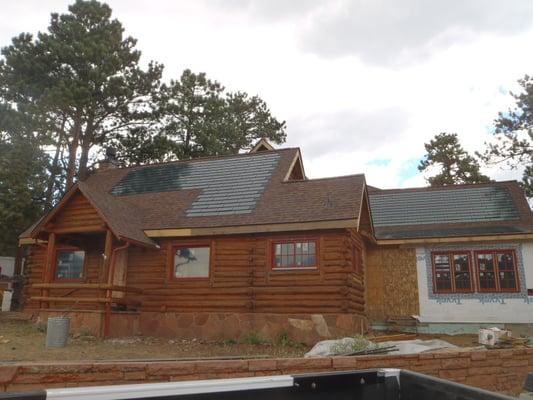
(326, 178)
(445, 187)
(204, 158)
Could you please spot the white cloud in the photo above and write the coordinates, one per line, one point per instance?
(393, 32)
(336, 70)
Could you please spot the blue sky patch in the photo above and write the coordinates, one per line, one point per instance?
(409, 169)
(383, 162)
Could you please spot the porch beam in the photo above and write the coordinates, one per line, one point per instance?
(108, 248)
(79, 229)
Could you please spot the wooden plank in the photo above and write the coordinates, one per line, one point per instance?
(79, 229)
(521, 236)
(52, 299)
(94, 286)
(288, 227)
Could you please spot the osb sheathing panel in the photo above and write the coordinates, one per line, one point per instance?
(392, 287)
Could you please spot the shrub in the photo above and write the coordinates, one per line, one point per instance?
(255, 339)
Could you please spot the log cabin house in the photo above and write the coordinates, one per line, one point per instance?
(219, 247)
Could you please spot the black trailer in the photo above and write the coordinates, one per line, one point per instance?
(380, 384)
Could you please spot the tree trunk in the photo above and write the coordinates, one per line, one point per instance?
(84, 158)
(72, 150)
(54, 170)
(86, 144)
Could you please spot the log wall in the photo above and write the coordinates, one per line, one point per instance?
(242, 279)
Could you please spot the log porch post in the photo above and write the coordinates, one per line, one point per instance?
(49, 267)
(108, 253)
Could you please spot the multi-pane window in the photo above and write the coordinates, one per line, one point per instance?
(461, 272)
(485, 272)
(496, 271)
(70, 264)
(442, 273)
(295, 254)
(191, 262)
(452, 272)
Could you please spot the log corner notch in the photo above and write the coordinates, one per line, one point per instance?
(112, 277)
(49, 267)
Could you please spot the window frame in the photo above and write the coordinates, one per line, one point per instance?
(450, 255)
(84, 267)
(294, 240)
(494, 254)
(172, 253)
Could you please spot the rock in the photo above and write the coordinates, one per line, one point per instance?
(301, 324)
(321, 325)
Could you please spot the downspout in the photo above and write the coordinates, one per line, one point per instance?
(109, 292)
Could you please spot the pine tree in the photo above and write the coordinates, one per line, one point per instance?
(84, 76)
(23, 166)
(198, 118)
(455, 165)
(514, 136)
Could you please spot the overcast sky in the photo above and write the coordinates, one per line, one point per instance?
(362, 84)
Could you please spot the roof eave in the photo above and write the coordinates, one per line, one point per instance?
(456, 239)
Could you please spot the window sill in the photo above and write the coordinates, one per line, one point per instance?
(295, 269)
(67, 280)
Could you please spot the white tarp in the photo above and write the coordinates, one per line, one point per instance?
(327, 348)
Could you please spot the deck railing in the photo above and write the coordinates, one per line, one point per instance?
(108, 296)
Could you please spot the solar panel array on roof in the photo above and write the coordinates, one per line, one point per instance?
(229, 185)
(473, 204)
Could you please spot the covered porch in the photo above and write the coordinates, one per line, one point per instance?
(84, 271)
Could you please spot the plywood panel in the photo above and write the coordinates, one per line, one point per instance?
(392, 289)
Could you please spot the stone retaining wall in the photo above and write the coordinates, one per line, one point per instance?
(305, 328)
(496, 370)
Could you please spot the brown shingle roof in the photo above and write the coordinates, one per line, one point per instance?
(129, 215)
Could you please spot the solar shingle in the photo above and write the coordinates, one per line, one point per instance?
(472, 204)
(229, 186)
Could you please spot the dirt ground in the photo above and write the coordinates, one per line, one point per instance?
(24, 341)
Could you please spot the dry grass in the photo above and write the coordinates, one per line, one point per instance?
(24, 341)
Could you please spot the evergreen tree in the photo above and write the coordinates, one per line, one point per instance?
(84, 75)
(198, 118)
(454, 163)
(514, 136)
(23, 181)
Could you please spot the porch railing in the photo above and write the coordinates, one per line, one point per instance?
(107, 298)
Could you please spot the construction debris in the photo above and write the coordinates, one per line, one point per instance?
(495, 338)
(491, 336)
(387, 338)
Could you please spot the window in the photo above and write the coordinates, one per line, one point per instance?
(451, 272)
(70, 264)
(191, 262)
(496, 271)
(295, 254)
